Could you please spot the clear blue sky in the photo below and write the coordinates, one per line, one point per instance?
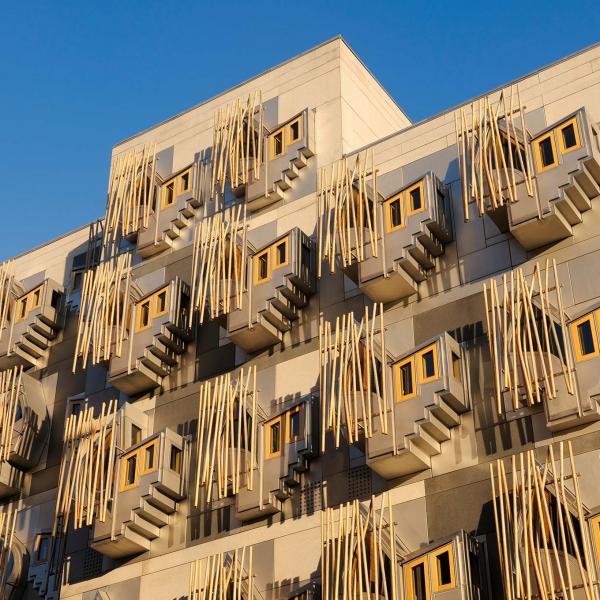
(76, 77)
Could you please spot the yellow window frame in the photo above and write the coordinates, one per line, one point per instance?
(153, 308)
(595, 526)
(157, 312)
(272, 154)
(538, 153)
(143, 468)
(181, 179)
(275, 262)
(139, 326)
(408, 567)
(437, 586)
(256, 261)
(421, 371)
(400, 395)
(559, 135)
(268, 426)
(124, 486)
(409, 209)
(163, 195)
(579, 356)
(288, 430)
(27, 300)
(288, 130)
(387, 207)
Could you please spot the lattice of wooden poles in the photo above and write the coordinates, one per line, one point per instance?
(227, 434)
(358, 551)
(526, 346)
(237, 143)
(86, 476)
(493, 144)
(219, 263)
(8, 522)
(353, 380)
(349, 216)
(543, 542)
(10, 391)
(103, 311)
(7, 296)
(131, 194)
(223, 576)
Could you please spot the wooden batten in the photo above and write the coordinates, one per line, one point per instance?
(354, 562)
(7, 295)
(348, 212)
(86, 476)
(227, 412)
(10, 392)
(8, 522)
(531, 538)
(487, 174)
(219, 263)
(524, 369)
(105, 301)
(237, 143)
(223, 576)
(352, 389)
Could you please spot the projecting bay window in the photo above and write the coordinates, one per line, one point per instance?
(290, 133)
(404, 204)
(273, 438)
(414, 198)
(140, 461)
(41, 547)
(405, 379)
(417, 579)
(173, 187)
(562, 139)
(434, 571)
(29, 302)
(568, 136)
(287, 426)
(151, 307)
(442, 567)
(419, 368)
(394, 217)
(266, 261)
(584, 332)
(427, 360)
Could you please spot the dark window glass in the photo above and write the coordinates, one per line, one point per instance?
(185, 182)
(406, 379)
(586, 338)
(295, 424)
(415, 198)
(428, 364)
(169, 194)
(456, 367)
(547, 152)
(145, 316)
(42, 551)
(161, 301)
(136, 435)
(149, 458)
(55, 299)
(281, 253)
(263, 266)
(569, 138)
(75, 408)
(295, 130)
(443, 568)
(175, 462)
(77, 278)
(418, 580)
(305, 256)
(275, 433)
(395, 213)
(278, 143)
(131, 467)
(22, 308)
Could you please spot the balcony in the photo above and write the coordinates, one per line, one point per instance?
(37, 318)
(149, 483)
(289, 148)
(453, 567)
(416, 227)
(429, 397)
(282, 279)
(290, 442)
(179, 199)
(566, 157)
(158, 334)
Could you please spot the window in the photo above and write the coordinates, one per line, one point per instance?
(184, 181)
(262, 270)
(545, 152)
(143, 315)
(294, 130)
(273, 438)
(175, 186)
(42, 547)
(136, 435)
(417, 579)
(294, 426)
(161, 303)
(281, 254)
(28, 302)
(288, 134)
(129, 471)
(76, 279)
(393, 213)
(168, 196)
(427, 361)
(405, 379)
(585, 338)
(75, 407)
(414, 198)
(151, 307)
(456, 370)
(148, 457)
(175, 461)
(276, 144)
(568, 136)
(442, 567)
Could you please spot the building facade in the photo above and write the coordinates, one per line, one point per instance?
(314, 350)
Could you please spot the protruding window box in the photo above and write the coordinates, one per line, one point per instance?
(287, 150)
(290, 441)
(415, 228)
(566, 159)
(429, 396)
(178, 199)
(158, 332)
(454, 567)
(281, 277)
(37, 318)
(150, 481)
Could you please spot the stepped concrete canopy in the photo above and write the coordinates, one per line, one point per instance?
(314, 350)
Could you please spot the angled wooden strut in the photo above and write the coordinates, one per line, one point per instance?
(237, 143)
(227, 435)
(484, 132)
(8, 521)
(542, 536)
(7, 295)
(219, 263)
(223, 576)
(348, 212)
(131, 195)
(105, 302)
(526, 325)
(358, 551)
(353, 389)
(10, 392)
(85, 482)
